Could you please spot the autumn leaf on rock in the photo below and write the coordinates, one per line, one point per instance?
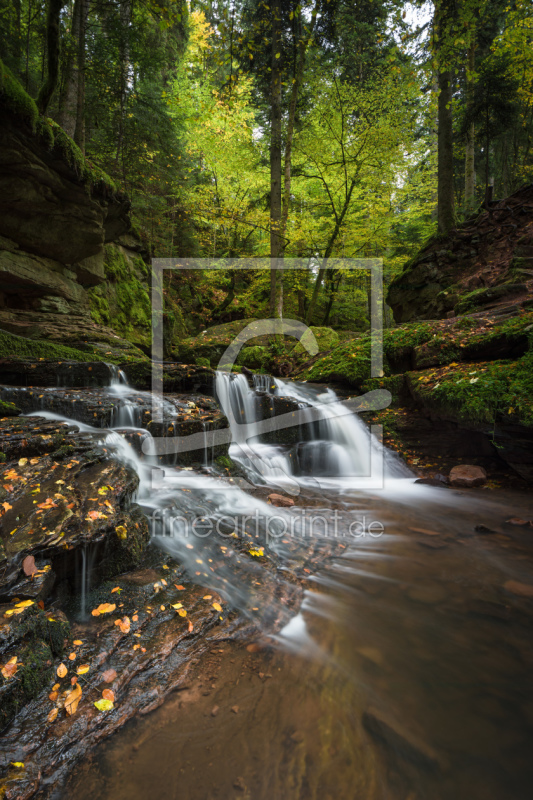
(108, 694)
(121, 531)
(109, 675)
(61, 671)
(103, 608)
(52, 715)
(77, 642)
(72, 700)
(82, 669)
(123, 624)
(217, 606)
(72, 656)
(10, 668)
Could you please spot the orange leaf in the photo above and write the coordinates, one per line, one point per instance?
(72, 699)
(72, 656)
(108, 694)
(62, 670)
(103, 608)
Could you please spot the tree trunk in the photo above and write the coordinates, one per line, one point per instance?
(329, 249)
(470, 172)
(276, 250)
(79, 131)
(69, 95)
(125, 20)
(52, 50)
(446, 212)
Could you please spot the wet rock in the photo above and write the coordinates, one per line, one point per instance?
(467, 476)
(176, 377)
(400, 740)
(483, 529)
(27, 372)
(63, 491)
(432, 482)
(280, 500)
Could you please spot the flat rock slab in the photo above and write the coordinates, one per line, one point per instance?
(61, 490)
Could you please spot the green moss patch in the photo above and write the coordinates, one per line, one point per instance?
(20, 347)
(479, 392)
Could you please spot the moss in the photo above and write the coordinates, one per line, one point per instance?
(8, 409)
(20, 347)
(395, 384)
(202, 362)
(224, 461)
(15, 99)
(34, 675)
(2, 457)
(254, 357)
(479, 392)
(87, 172)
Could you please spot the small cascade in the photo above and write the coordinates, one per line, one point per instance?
(333, 443)
(117, 376)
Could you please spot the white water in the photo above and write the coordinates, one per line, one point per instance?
(336, 448)
(193, 516)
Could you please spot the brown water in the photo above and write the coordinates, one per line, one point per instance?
(408, 674)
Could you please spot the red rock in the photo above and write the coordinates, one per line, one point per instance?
(467, 475)
(280, 500)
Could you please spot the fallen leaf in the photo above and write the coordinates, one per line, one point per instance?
(116, 589)
(123, 624)
(52, 696)
(108, 694)
(217, 606)
(520, 589)
(104, 705)
(10, 668)
(23, 462)
(180, 587)
(52, 715)
(72, 656)
(190, 627)
(62, 670)
(77, 642)
(103, 608)
(109, 675)
(182, 612)
(72, 700)
(207, 597)
(73, 680)
(82, 669)
(17, 764)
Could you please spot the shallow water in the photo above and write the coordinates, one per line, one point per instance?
(407, 673)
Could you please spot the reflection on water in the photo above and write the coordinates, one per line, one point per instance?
(407, 673)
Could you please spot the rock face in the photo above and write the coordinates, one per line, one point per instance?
(467, 476)
(484, 263)
(69, 270)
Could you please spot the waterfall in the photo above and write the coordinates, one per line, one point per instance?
(334, 445)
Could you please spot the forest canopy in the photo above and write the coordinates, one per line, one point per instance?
(310, 130)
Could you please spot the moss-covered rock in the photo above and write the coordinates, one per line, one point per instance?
(21, 347)
(8, 409)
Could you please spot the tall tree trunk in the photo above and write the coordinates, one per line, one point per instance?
(339, 219)
(446, 211)
(125, 20)
(470, 172)
(444, 10)
(69, 96)
(303, 43)
(276, 249)
(79, 131)
(52, 60)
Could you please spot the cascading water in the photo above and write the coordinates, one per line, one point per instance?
(334, 442)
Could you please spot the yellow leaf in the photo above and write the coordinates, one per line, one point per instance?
(18, 764)
(52, 715)
(217, 606)
(104, 705)
(82, 669)
(61, 671)
(25, 604)
(182, 612)
(23, 462)
(77, 641)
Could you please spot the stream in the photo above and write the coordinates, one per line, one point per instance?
(407, 672)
